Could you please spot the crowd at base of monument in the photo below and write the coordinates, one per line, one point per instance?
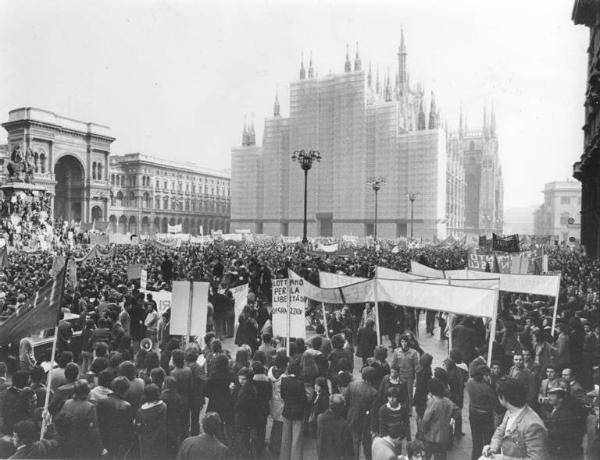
(123, 386)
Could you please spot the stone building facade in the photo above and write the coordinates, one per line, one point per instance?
(587, 169)
(148, 194)
(559, 215)
(69, 159)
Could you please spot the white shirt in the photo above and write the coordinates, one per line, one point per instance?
(512, 417)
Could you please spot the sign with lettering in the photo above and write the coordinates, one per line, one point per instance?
(163, 300)
(480, 261)
(286, 293)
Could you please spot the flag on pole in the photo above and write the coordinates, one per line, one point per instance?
(39, 312)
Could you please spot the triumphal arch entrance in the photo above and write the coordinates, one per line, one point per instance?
(66, 158)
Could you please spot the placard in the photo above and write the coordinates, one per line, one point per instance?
(297, 304)
(181, 305)
(143, 280)
(163, 300)
(134, 272)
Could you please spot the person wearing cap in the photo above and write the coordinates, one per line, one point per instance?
(482, 400)
(566, 427)
(360, 397)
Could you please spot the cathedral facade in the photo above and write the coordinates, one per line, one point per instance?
(365, 126)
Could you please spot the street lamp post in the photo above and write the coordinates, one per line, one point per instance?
(412, 196)
(306, 160)
(376, 183)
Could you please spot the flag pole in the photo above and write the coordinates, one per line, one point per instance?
(45, 414)
(288, 319)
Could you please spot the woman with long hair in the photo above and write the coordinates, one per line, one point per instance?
(242, 359)
(219, 395)
(26, 357)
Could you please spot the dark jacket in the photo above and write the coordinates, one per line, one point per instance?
(421, 390)
(466, 340)
(176, 419)
(219, 395)
(334, 438)
(294, 397)
(183, 376)
(115, 417)
(77, 425)
(13, 409)
(40, 449)
(264, 393)
(359, 400)
(197, 385)
(566, 427)
(151, 423)
(367, 341)
(246, 405)
(202, 447)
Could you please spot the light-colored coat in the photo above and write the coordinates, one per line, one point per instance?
(527, 438)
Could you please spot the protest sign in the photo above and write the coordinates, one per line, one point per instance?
(284, 298)
(134, 272)
(189, 308)
(481, 261)
(163, 300)
(508, 243)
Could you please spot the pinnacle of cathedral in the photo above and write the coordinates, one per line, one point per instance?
(433, 115)
(369, 76)
(347, 64)
(402, 42)
(245, 134)
(485, 122)
(302, 70)
(251, 134)
(377, 86)
(357, 61)
(402, 74)
(276, 105)
(311, 70)
(388, 88)
(493, 122)
(421, 121)
(461, 128)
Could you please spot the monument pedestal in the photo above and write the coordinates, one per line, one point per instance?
(25, 196)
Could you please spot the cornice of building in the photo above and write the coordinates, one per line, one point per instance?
(130, 159)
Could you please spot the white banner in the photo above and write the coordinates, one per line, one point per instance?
(181, 305)
(232, 237)
(334, 280)
(297, 304)
(163, 300)
(419, 269)
(327, 248)
(389, 274)
(174, 228)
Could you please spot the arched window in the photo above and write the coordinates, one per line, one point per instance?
(112, 179)
(132, 201)
(120, 198)
(94, 170)
(99, 171)
(42, 163)
(146, 201)
(166, 202)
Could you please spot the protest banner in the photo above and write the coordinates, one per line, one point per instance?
(189, 308)
(163, 300)
(509, 243)
(482, 261)
(288, 301)
(134, 272)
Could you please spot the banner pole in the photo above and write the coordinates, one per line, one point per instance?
(287, 340)
(45, 414)
(189, 317)
(493, 330)
(325, 320)
(555, 312)
(377, 311)
(450, 323)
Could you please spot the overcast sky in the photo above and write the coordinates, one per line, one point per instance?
(175, 79)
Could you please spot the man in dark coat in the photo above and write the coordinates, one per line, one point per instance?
(166, 268)
(360, 397)
(115, 419)
(14, 406)
(334, 438)
(566, 426)
(465, 339)
(367, 341)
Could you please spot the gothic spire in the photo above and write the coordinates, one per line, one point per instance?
(402, 75)
(347, 64)
(302, 70)
(388, 87)
(357, 61)
(276, 105)
(421, 121)
(433, 115)
(493, 122)
(370, 76)
(461, 128)
(311, 70)
(245, 137)
(377, 86)
(485, 122)
(251, 134)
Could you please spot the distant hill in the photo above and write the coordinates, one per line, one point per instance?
(519, 220)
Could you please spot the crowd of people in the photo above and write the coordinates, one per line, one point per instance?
(124, 387)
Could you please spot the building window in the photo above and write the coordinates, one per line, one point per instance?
(565, 200)
(94, 170)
